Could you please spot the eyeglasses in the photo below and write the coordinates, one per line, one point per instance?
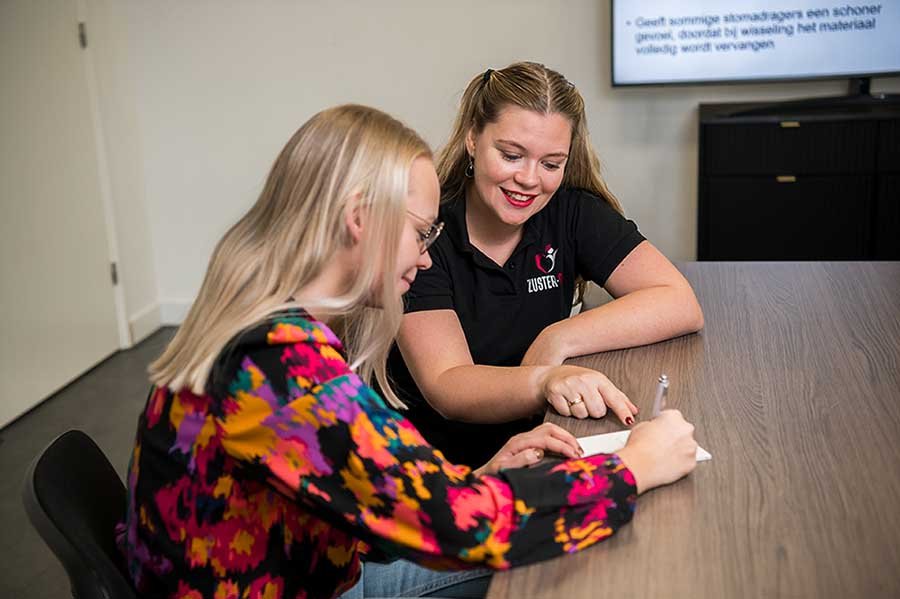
(430, 235)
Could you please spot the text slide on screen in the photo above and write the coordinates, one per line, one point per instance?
(669, 42)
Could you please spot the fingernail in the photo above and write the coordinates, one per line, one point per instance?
(538, 454)
(580, 450)
(629, 421)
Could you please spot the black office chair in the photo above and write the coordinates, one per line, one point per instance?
(74, 498)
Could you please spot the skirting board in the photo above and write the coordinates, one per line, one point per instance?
(143, 323)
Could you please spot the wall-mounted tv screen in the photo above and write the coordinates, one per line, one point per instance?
(696, 41)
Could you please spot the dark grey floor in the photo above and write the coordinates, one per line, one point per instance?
(105, 404)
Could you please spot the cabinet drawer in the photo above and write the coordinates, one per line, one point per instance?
(770, 149)
(887, 218)
(889, 146)
(814, 218)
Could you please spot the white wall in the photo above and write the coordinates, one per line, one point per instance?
(220, 86)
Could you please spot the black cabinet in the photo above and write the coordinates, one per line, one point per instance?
(887, 217)
(794, 182)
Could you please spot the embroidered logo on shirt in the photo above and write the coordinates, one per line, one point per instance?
(545, 263)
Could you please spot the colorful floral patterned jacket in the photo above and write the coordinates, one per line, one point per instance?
(268, 485)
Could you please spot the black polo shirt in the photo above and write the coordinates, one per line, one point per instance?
(502, 309)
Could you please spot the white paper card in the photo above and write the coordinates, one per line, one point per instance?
(613, 442)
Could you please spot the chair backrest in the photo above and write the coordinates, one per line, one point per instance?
(74, 498)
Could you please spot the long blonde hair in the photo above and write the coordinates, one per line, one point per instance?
(534, 87)
(293, 230)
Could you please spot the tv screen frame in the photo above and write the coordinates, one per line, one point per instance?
(735, 81)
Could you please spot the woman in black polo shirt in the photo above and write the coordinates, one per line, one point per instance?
(528, 217)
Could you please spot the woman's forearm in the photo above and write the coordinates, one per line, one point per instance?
(639, 318)
(654, 302)
(487, 394)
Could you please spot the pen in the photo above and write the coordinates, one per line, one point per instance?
(662, 389)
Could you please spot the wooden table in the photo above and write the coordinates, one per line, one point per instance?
(794, 387)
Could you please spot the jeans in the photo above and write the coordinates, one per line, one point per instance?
(406, 579)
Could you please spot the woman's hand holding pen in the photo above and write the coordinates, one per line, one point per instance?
(582, 393)
(660, 451)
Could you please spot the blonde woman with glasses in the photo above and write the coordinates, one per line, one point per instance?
(265, 465)
(528, 219)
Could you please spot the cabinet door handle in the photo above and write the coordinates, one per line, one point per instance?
(789, 124)
(786, 179)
